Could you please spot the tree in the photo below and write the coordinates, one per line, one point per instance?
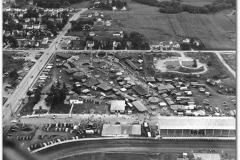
(29, 93)
(113, 3)
(194, 63)
(58, 84)
(13, 75)
(37, 96)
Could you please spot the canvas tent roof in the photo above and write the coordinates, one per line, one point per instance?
(139, 106)
(121, 130)
(118, 105)
(207, 156)
(164, 87)
(104, 87)
(91, 82)
(139, 90)
(227, 123)
(72, 70)
(150, 79)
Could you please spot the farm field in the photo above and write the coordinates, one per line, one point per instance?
(216, 31)
(84, 4)
(196, 2)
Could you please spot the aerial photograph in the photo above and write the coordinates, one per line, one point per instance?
(119, 79)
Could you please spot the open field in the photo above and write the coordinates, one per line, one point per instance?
(231, 60)
(215, 67)
(84, 4)
(212, 30)
(217, 31)
(9, 63)
(197, 2)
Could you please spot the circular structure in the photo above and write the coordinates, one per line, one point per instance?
(79, 75)
(101, 54)
(153, 100)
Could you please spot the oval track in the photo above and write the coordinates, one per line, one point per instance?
(135, 145)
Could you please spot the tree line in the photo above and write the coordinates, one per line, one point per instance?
(55, 4)
(108, 6)
(175, 6)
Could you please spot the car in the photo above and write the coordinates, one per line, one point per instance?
(219, 91)
(31, 76)
(40, 137)
(135, 122)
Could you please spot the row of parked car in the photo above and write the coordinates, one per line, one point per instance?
(49, 143)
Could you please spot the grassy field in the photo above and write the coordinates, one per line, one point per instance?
(217, 31)
(212, 30)
(197, 2)
(231, 60)
(215, 67)
(84, 4)
(9, 63)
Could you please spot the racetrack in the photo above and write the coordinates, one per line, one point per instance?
(136, 146)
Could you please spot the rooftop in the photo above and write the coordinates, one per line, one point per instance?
(227, 123)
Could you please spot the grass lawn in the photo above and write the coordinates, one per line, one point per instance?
(9, 63)
(27, 108)
(216, 31)
(87, 107)
(216, 100)
(60, 108)
(231, 60)
(215, 69)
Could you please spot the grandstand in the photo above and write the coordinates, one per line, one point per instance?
(197, 126)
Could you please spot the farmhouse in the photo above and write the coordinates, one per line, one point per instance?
(74, 100)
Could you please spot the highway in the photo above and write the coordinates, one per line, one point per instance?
(136, 146)
(31, 77)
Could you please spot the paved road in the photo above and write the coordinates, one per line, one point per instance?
(137, 146)
(31, 77)
(225, 64)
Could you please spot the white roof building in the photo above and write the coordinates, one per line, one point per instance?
(117, 106)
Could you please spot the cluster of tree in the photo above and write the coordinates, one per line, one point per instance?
(192, 45)
(175, 6)
(53, 26)
(57, 94)
(119, 4)
(13, 76)
(9, 26)
(136, 39)
(10, 40)
(78, 25)
(55, 4)
(37, 94)
(31, 13)
(154, 3)
(108, 6)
